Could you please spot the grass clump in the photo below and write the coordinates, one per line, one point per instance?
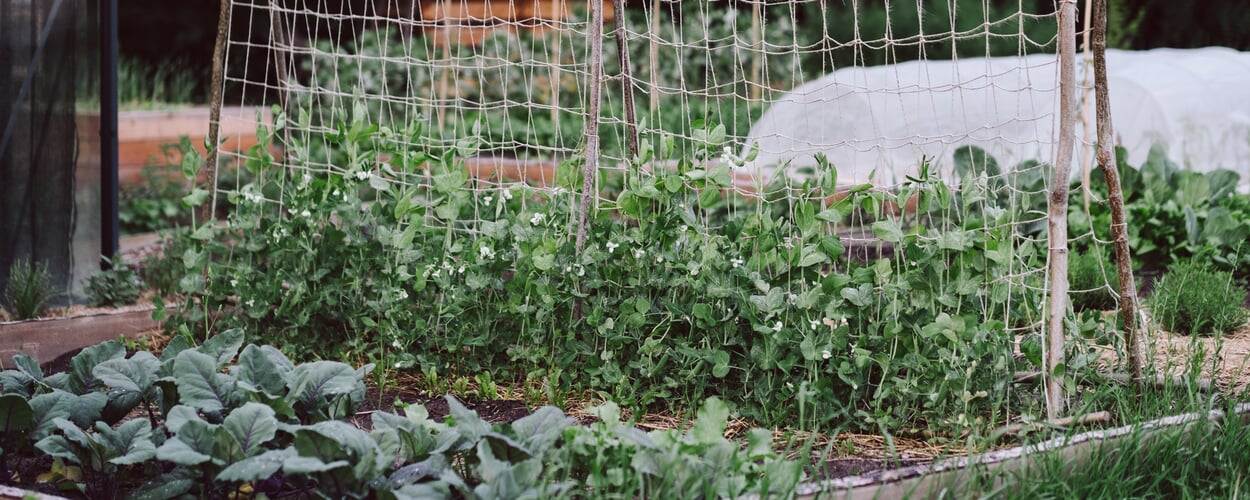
(118, 286)
(1206, 460)
(29, 288)
(1192, 298)
(1092, 277)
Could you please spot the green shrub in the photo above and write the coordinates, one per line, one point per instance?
(1192, 298)
(29, 288)
(117, 286)
(1092, 278)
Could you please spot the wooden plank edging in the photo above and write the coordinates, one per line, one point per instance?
(50, 338)
(948, 476)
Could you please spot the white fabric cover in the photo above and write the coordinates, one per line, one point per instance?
(875, 123)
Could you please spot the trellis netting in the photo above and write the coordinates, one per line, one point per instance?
(507, 86)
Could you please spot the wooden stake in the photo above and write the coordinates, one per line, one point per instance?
(1057, 221)
(627, 79)
(1133, 338)
(654, 69)
(590, 167)
(205, 212)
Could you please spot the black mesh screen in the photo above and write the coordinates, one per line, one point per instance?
(49, 139)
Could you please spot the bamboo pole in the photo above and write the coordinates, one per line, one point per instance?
(590, 167)
(1057, 220)
(1133, 338)
(627, 78)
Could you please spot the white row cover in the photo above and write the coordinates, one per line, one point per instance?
(876, 123)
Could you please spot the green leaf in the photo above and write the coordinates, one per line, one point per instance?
(539, 431)
(468, 424)
(888, 230)
(196, 197)
(28, 366)
(258, 467)
(250, 426)
(264, 369)
(162, 488)
(193, 444)
(131, 375)
(16, 414)
(712, 418)
(708, 198)
(759, 444)
(200, 384)
(130, 443)
(81, 378)
(300, 465)
(82, 410)
(311, 383)
(378, 183)
(223, 346)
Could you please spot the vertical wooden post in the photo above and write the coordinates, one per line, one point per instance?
(653, 70)
(590, 168)
(757, 41)
(1133, 336)
(627, 79)
(1058, 213)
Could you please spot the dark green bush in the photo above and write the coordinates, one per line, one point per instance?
(1092, 281)
(118, 286)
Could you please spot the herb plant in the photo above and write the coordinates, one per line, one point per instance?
(1192, 298)
(28, 290)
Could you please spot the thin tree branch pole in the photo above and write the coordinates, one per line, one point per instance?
(590, 168)
(1133, 336)
(1057, 220)
(627, 78)
(653, 53)
(279, 63)
(204, 212)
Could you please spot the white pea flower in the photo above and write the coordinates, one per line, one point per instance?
(813, 323)
(612, 246)
(488, 199)
(362, 175)
(461, 270)
(792, 298)
(683, 228)
(639, 253)
(539, 218)
(336, 192)
(251, 302)
(507, 194)
(305, 214)
(825, 354)
(659, 258)
(486, 252)
(581, 271)
(568, 269)
(402, 294)
(735, 262)
(777, 327)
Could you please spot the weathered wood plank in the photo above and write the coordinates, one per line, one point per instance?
(50, 338)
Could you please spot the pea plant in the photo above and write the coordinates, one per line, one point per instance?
(685, 290)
